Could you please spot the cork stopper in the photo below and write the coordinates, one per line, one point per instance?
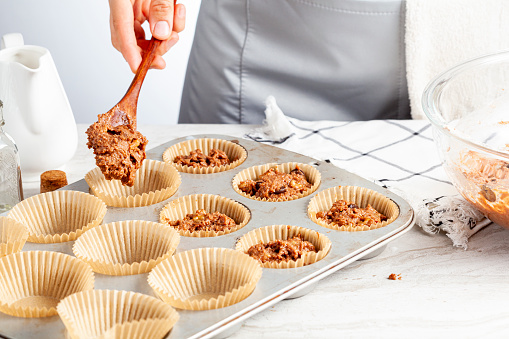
(53, 180)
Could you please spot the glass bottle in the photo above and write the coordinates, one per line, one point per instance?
(11, 190)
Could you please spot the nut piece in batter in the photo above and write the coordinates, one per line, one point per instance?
(203, 221)
(281, 250)
(275, 184)
(343, 213)
(196, 158)
(119, 149)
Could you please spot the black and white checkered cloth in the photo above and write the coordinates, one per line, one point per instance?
(398, 154)
(392, 152)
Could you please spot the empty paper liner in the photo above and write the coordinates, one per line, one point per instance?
(58, 216)
(205, 278)
(126, 247)
(236, 154)
(253, 173)
(178, 209)
(359, 196)
(13, 236)
(155, 181)
(116, 314)
(32, 283)
(266, 234)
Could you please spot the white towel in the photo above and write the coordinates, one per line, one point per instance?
(443, 33)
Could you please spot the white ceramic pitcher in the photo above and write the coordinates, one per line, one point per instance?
(37, 113)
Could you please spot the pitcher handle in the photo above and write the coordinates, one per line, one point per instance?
(12, 40)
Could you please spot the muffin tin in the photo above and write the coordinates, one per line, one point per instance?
(275, 284)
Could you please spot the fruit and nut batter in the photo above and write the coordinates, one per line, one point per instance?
(118, 147)
(489, 193)
(281, 250)
(196, 158)
(275, 184)
(203, 221)
(343, 213)
(484, 170)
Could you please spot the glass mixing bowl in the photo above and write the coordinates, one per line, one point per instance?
(468, 107)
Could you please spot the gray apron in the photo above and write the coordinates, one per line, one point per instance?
(320, 59)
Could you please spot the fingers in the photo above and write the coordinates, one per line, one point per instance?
(127, 35)
(179, 20)
(158, 63)
(165, 46)
(123, 36)
(161, 18)
(139, 31)
(179, 23)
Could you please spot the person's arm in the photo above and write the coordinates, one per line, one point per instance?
(166, 19)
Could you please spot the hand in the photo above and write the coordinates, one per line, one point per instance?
(166, 19)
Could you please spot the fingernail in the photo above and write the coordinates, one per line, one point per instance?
(161, 29)
(181, 12)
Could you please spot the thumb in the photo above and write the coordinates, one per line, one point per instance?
(161, 18)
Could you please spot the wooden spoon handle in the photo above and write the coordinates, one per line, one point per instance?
(133, 91)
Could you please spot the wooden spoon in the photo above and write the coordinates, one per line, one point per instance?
(118, 147)
(124, 112)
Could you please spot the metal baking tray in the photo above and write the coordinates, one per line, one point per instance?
(274, 285)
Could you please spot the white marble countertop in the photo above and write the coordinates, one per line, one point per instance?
(444, 291)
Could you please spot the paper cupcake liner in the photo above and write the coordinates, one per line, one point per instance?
(32, 283)
(284, 232)
(155, 181)
(236, 153)
(179, 208)
(116, 314)
(312, 174)
(358, 195)
(205, 278)
(126, 247)
(13, 236)
(58, 216)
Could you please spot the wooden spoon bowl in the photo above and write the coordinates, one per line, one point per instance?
(118, 147)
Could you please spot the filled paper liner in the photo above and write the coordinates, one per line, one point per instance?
(179, 208)
(360, 196)
(236, 153)
(313, 176)
(13, 236)
(126, 247)
(32, 283)
(155, 181)
(205, 278)
(283, 232)
(116, 314)
(58, 216)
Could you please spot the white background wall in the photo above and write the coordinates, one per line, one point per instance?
(94, 74)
